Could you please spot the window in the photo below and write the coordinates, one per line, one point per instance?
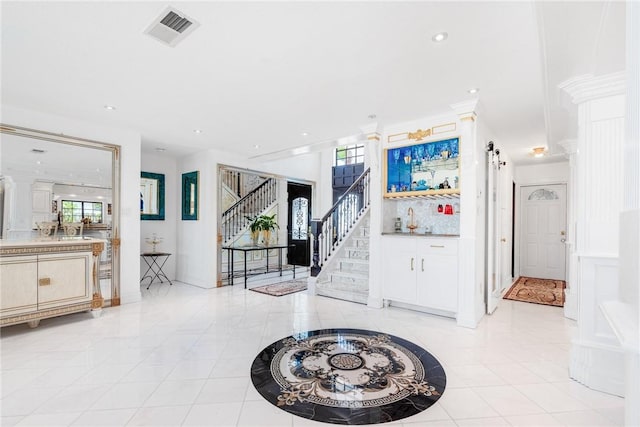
(74, 211)
(349, 155)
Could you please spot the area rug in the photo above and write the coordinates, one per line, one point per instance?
(348, 376)
(282, 288)
(537, 291)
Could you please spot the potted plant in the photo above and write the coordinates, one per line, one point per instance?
(254, 228)
(267, 224)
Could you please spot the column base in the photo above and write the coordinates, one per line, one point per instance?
(598, 366)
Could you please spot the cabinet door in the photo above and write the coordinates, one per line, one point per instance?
(64, 279)
(400, 267)
(438, 276)
(41, 201)
(19, 291)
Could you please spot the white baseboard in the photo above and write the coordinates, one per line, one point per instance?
(571, 305)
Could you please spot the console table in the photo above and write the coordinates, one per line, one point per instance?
(231, 249)
(155, 261)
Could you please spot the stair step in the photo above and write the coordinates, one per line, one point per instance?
(352, 294)
(350, 276)
(355, 252)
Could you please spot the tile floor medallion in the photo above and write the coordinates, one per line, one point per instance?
(348, 376)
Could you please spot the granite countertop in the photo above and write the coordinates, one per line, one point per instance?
(406, 234)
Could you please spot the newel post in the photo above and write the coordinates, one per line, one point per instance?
(316, 231)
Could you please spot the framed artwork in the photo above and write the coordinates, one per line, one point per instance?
(151, 196)
(424, 169)
(190, 196)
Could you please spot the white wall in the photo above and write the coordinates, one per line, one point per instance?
(197, 250)
(129, 141)
(547, 173)
(166, 165)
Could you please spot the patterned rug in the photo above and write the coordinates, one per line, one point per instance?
(282, 288)
(537, 291)
(348, 376)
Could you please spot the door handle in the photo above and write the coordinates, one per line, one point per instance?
(563, 240)
(503, 240)
(411, 264)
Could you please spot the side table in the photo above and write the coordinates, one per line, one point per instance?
(155, 261)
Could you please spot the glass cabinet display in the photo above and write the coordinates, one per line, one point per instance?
(428, 168)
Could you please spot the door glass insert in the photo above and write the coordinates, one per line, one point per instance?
(543, 194)
(300, 215)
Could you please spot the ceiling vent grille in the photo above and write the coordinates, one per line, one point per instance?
(171, 27)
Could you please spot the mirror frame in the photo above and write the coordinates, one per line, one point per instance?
(189, 179)
(115, 189)
(160, 215)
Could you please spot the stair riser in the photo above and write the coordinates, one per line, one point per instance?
(343, 295)
(352, 281)
(357, 254)
(355, 267)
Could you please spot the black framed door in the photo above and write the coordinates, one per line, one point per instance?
(298, 222)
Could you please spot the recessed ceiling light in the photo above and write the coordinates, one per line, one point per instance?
(197, 131)
(38, 162)
(109, 107)
(440, 37)
(305, 133)
(256, 146)
(160, 149)
(473, 90)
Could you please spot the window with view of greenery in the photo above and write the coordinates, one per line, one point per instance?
(75, 211)
(349, 155)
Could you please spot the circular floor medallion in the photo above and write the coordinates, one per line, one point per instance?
(348, 376)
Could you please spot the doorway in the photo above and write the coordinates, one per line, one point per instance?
(543, 211)
(298, 221)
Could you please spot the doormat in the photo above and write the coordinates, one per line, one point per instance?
(537, 291)
(282, 288)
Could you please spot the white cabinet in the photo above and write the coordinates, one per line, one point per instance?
(421, 271)
(49, 278)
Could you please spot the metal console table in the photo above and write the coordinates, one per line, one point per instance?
(231, 249)
(155, 261)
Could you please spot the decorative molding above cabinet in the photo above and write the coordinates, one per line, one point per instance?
(426, 169)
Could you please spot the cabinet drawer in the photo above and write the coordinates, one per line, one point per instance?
(439, 246)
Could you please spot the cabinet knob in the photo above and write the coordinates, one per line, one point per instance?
(45, 281)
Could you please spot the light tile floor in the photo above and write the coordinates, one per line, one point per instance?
(182, 357)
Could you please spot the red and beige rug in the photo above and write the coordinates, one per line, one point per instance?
(537, 291)
(282, 288)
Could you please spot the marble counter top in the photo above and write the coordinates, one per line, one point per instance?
(47, 241)
(421, 235)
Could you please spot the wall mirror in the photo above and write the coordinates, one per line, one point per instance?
(51, 177)
(190, 196)
(151, 196)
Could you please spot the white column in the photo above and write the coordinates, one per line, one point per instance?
(571, 292)
(372, 160)
(596, 356)
(471, 242)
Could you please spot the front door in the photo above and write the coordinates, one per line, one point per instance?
(542, 231)
(298, 222)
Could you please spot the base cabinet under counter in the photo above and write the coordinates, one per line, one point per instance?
(421, 271)
(47, 279)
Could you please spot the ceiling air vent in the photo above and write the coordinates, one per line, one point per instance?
(171, 27)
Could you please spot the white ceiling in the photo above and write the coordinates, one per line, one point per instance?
(265, 73)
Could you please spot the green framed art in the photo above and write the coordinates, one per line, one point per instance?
(190, 196)
(151, 196)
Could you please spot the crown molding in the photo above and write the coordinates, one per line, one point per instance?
(588, 87)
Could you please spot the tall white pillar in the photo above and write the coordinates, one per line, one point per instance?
(596, 356)
(570, 147)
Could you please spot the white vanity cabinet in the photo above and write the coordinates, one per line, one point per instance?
(43, 279)
(421, 271)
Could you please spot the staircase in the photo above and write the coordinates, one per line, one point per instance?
(235, 219)
(346, 277)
